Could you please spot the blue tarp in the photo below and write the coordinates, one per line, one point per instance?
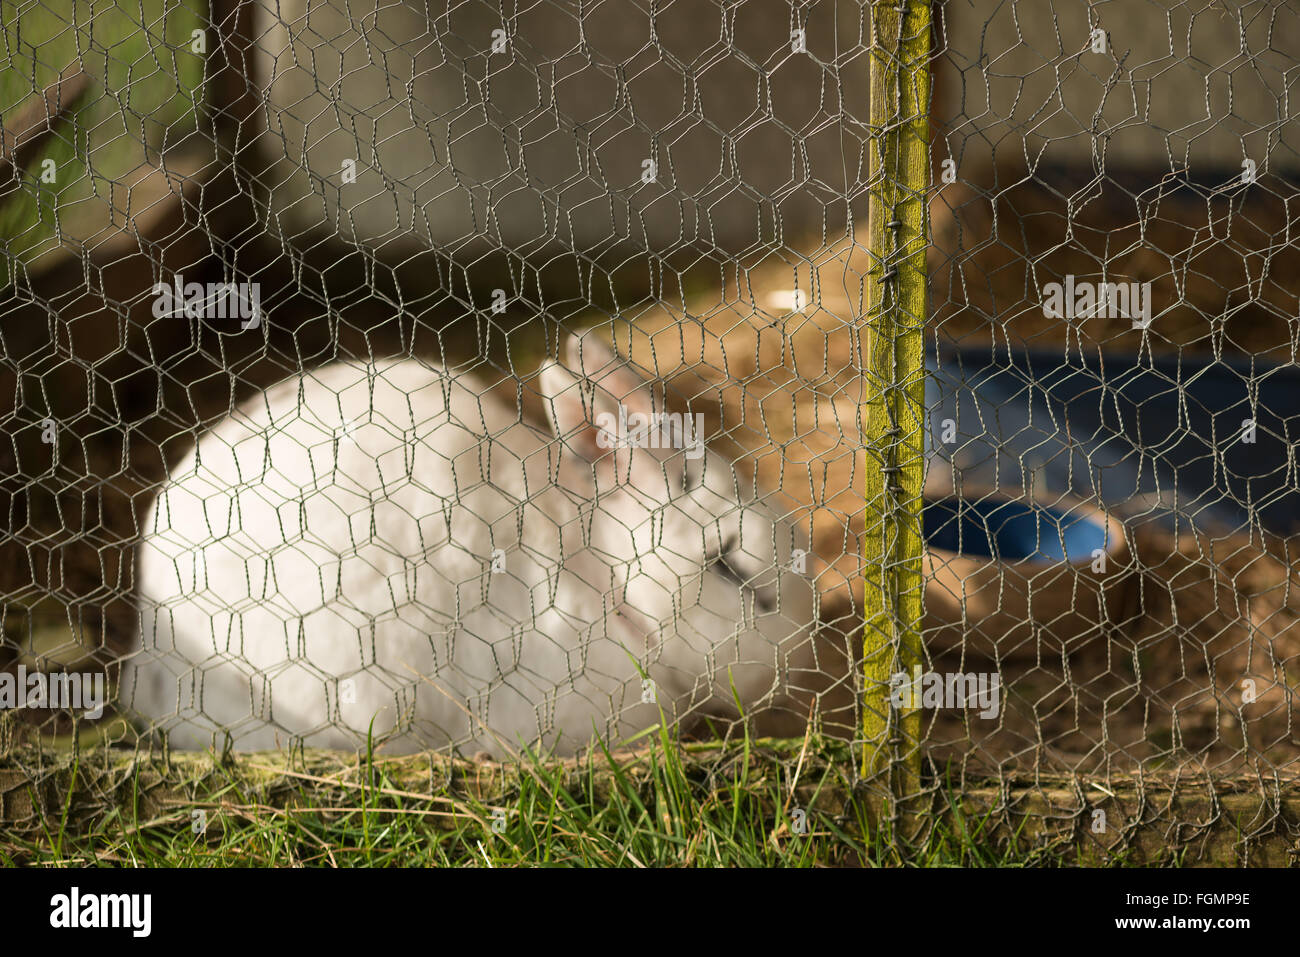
(1150, 437)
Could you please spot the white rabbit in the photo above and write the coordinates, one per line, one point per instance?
(393, 543)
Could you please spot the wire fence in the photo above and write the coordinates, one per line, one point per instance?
(480, 377)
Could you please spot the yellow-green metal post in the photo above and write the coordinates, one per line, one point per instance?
(895, 383)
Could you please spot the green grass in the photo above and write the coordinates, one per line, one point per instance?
(145, 93)
(670, 805)
(102, 796)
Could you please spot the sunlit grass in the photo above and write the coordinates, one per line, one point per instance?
(745, 804)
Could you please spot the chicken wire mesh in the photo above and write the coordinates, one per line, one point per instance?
(286, 352)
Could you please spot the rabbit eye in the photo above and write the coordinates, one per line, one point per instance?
(721, 565)
(719, 557)
(763, 596)
(694, 477)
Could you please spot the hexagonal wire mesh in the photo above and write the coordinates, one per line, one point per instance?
(286, 357)
(1112, 345)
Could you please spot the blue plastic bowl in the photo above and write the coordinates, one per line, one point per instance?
(1011, 531)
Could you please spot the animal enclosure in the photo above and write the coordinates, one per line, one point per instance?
(481, 377)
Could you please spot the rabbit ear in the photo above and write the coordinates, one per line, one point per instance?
(573, 352)
(590, 357)
(567, 406)
(584, 408)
